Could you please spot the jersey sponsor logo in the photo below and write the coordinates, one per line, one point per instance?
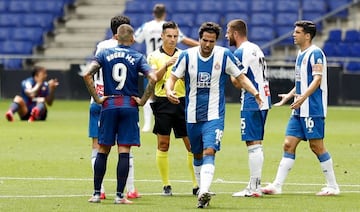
(204, 80)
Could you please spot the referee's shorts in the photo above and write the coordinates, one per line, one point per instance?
(169, 116)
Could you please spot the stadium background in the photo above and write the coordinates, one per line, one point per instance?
(62, 35)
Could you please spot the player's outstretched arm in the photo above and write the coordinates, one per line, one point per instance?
(245, 83)
(285, 97)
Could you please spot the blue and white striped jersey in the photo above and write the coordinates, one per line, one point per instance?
(316, 104)
(205, 80)
(253, 60)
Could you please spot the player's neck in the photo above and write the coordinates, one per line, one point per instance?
(304, 46)
(169, 51)
(240, 41)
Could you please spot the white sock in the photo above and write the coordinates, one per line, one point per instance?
(328, 170)
(256, 159)
(93, 158)
(197, 170)
(130, 180)
(147, 114)
(283, 170)
(206, 177)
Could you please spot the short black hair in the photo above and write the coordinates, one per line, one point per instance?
(210, 27)
(159, 10)
(169, 25)
(308, 26)
(118, 20)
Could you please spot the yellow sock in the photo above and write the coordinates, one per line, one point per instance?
(162, 162)
(190, 159)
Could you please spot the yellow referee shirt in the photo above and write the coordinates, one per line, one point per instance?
(157, 59)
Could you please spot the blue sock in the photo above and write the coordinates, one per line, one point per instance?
(14, 107)
(209, 159)
(198, 162)
(122, 173)
(324, 157)
(99, 171)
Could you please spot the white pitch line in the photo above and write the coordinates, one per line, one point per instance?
(220, 181)
(143, 194)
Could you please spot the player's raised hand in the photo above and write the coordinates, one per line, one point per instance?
(53, 83)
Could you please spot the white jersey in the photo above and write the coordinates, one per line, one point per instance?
(151, 33)
(253, 59)
(98, 80)
(316, 104)
(205, 80)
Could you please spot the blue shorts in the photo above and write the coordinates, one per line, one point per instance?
(94, 116)
(253, 124)
(306, 128)
(205, 135)
(120, 124)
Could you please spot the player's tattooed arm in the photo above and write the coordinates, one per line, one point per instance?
(92, 69)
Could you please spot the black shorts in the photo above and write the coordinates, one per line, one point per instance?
(169, 116)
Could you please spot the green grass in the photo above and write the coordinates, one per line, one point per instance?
(45, 166)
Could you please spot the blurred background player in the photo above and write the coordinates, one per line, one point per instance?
(205, 70)
(309, 109)
(150, 32)
(252, 117)
(167, 115)
(36, 94)
(96, 108)
(119, 118)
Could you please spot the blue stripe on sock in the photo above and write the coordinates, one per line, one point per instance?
(209, 159)
(198, 162)
(289, 155)
(324, 157)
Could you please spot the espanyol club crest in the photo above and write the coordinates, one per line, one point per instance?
(217, 66)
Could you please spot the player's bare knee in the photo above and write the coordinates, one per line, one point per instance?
(317, 148)
(163, 146)
(288, 147)
(209, 151)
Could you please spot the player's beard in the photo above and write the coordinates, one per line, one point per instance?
(231, 42)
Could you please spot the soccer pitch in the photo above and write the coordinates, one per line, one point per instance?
(45, 166)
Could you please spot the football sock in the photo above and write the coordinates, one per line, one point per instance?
(191, 168)
(122, 171)
(197, 170)
(93, 157)
(14, 107)
(147, 113)
(130, 180)
(256, 159)
(99, 170)
(207, 173)
(284, 168)
(162, 161)
(326, 164)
